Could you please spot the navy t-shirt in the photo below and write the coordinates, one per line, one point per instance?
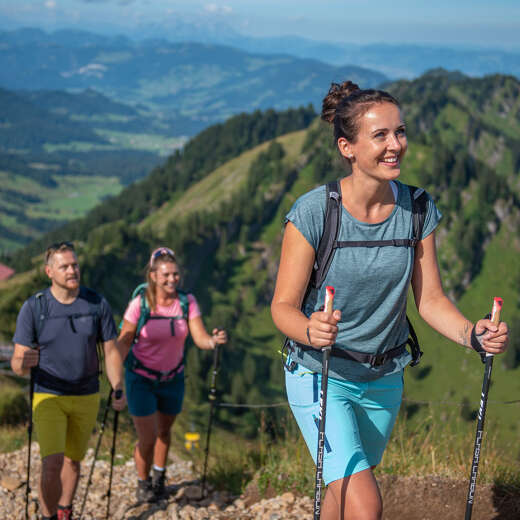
(67, 340)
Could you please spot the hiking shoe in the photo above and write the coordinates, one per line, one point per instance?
(144, 492)
(158, 480)
(64, 513)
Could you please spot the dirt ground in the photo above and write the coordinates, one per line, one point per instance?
(433, 498)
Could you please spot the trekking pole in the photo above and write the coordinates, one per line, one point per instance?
(488, 360)
(29, 435)
(101, 430)
(117, 395)
(329, 300)
(212, 401)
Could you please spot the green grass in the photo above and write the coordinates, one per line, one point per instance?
(74, 196)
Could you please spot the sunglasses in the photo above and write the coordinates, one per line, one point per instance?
(161, 251)
(58, 246)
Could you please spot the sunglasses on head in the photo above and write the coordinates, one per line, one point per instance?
(58, 246)
(161, 251)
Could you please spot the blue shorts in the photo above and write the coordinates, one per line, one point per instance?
(359, 420)
(145, 396)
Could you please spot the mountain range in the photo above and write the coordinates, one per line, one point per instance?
(208, 82)
(396, 60)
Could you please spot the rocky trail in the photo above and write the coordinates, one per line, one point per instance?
(421, 498)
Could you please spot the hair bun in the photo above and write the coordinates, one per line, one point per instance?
(337, 93)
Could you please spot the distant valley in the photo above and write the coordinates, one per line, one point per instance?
(62, 153)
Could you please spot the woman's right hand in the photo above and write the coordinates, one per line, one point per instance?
(322, 328)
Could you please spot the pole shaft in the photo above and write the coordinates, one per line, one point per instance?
(478, 437)
(112, 455)
(101, 431)
(212, 402)
(321, 432)
(29, 435)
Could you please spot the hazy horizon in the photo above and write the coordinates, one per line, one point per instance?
(465, 23)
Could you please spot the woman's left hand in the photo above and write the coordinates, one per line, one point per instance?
(493, 339)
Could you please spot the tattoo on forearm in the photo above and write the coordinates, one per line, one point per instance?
(464, 334)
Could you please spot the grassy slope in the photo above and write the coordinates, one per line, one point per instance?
(219, 185)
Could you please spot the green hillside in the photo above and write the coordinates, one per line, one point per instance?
(223, 213)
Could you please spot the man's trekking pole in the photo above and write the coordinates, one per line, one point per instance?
(329, 300)
(488, 360)
(29, 435)
(117, 395)
(101, 430)
(212, 402)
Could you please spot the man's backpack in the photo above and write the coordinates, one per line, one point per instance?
(145, 315)
(40, 311)
(329, 243)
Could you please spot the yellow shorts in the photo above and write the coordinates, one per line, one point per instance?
(64, 423)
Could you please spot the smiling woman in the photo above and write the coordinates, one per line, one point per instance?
(155, 327)
(377, 253)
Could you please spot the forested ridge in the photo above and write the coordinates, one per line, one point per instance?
(464, 142)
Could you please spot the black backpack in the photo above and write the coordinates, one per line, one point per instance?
(40, 311)
(325, 253)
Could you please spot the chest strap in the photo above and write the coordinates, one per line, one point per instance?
(172, 322)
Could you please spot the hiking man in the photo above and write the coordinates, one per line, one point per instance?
(56, 338)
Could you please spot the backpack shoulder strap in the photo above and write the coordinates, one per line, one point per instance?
(332, 223)
(419, 208)
(94, 307)
(39, 306)
(185, 304)
(144, 313)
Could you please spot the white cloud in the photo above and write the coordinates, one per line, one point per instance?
(50, 4)
(220, 9)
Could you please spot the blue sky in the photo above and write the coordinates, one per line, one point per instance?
(484, 23)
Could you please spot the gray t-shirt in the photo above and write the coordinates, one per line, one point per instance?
(68, 349)
(371, 283)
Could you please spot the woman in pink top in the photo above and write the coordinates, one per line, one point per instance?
(154, 374)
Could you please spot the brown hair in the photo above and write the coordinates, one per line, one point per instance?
(159, 256)
(344, 105)
(57, 247)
